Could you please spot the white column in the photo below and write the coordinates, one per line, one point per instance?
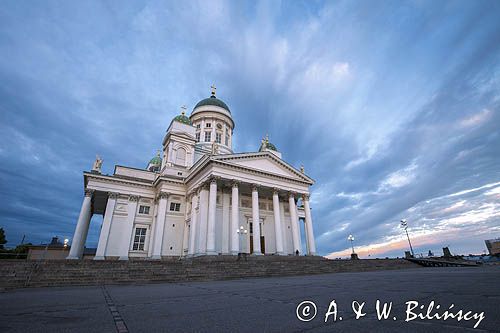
(160, 225)
(225, 222)
(310, 234)
(202, 239)
(235, 219)
(129, 227)
(153, 228)
(78, 242)
(294, 223)
(106, 226)
(277, 223)
(212, 206)
(284, 230)
(256, 221)
(194, 225)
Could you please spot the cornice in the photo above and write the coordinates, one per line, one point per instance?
(112, 179)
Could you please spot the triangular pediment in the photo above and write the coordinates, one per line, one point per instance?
(264, 162)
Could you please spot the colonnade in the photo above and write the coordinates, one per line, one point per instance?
(202, 231)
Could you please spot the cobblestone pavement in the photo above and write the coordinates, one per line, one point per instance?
(263, 304)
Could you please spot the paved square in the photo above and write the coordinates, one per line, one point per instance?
(258, 305)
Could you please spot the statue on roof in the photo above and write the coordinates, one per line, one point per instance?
(215, 149)
(97, 164)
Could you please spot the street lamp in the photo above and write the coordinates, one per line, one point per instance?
(351, 239)
(404, 225)
(242, 232)
(354, 256)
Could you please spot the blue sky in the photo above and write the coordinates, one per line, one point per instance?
(393, 107)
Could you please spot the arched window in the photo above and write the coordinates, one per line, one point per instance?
(180, 158)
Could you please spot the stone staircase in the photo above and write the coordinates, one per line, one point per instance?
(25, 273)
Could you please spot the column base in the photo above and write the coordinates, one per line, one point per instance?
(257, 254)
(234, 252)
(72, 258)
(156, 257)
(280, 253)
(123, 258)
(211, 253)
(99, 258)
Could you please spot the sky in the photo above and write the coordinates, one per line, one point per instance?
(393, 108)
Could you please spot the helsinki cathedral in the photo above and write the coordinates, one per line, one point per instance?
(197, 197)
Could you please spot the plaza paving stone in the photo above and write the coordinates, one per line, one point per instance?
(258, 304)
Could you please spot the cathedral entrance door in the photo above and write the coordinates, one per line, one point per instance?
(262, 240)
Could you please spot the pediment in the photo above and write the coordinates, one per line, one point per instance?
(265, 162)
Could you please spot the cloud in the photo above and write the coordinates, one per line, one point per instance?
(476, 119)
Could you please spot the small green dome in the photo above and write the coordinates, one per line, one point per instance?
(266, 144)
(156, 160)
(271, 146)
(182, 118)
(212, 100)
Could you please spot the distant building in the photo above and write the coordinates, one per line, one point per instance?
(55, 250)
(493, 246)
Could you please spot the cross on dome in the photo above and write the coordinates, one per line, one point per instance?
(214, 88)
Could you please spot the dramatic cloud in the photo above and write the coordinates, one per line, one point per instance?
(392, 107)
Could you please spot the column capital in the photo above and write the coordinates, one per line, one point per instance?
(113, 195)
(305, 196)
(214, 179)
(193, 193)
(255, 187)
(235, 183)
(133, 198)
(291, 194)
(276, 191)
(88, 192)
(163, 195)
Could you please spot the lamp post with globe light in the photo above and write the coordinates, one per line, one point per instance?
(404, 225)
(242, 232)
(354, 255)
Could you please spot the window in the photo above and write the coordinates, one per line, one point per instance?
(208, 136)
(175, 207)
(198, 126)
(180, 157)
(198, 137)
(227, 140)
(139, 239)
(218, 137)
(143, 209)
(208, 125)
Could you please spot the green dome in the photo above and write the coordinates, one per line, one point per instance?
(156, 160)
(266, 144)
(271, 146)
(182, 118)
(212, 100)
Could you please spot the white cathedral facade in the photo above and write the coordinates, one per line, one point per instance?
(198, 197)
